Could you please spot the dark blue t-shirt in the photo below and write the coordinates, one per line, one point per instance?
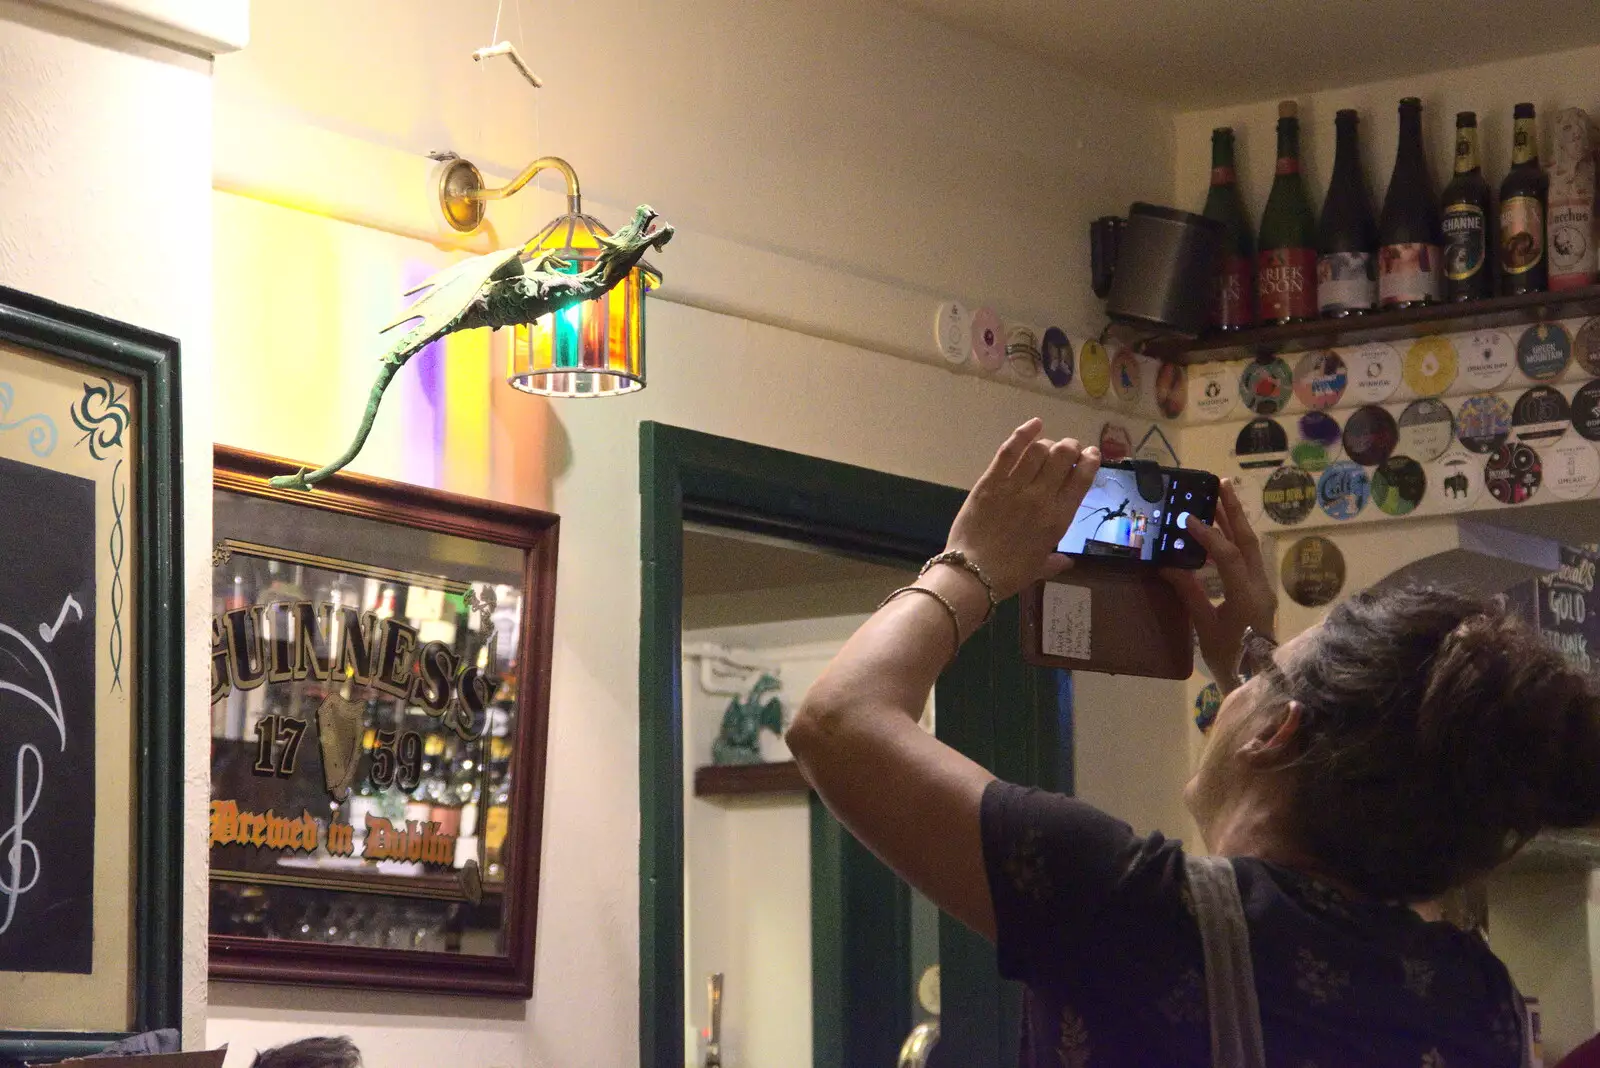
(1097, 922)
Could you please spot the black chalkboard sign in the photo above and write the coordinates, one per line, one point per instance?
(1566, 608)
(47, 725)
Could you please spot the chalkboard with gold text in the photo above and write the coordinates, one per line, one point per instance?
(380, 660)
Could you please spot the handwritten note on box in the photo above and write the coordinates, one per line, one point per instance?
(1065, 618)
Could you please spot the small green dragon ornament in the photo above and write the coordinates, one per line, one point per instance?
(495, 290)
(739, 740)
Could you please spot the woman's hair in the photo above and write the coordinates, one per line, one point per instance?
(311, 1053)
(1439, 734)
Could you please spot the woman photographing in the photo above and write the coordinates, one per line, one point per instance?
(1406, 745)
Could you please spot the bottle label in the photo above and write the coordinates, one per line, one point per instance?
(1408, 273)
(1287, 284)
(1222, 176)
(1234, 305)
(1288, 165)
(1465, 241)
(1346, 282)
(1571, 243)
(1521, 234)
(1524, 141)
(1466, 149)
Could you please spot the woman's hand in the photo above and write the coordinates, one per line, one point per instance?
(1020, 509)
(1249, 598)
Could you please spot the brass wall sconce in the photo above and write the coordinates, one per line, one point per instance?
(592, 349)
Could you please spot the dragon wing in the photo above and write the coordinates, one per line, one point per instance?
(449, 294)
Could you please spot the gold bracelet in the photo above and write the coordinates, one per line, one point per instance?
(957, 558)
(955, 621)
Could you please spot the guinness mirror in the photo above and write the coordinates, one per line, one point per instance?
(380, 660)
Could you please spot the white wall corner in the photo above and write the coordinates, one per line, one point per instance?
(209, 27)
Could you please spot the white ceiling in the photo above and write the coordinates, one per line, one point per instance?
(1193, 54)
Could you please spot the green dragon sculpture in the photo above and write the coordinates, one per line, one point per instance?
(739, 740)
(495, 290)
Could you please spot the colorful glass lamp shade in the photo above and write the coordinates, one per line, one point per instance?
(592, 349)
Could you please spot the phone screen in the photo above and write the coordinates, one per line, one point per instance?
(1138, 514)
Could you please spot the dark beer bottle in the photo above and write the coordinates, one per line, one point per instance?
(1468, 270)
(1235, 302)
(1286, 266)
(1409, 271)
(1347, 236)
(1523, 268)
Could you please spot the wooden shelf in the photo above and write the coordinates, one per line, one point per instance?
(1380, 326)
(733, 780)
(1560, 850)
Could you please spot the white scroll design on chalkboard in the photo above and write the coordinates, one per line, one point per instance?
(19, 858)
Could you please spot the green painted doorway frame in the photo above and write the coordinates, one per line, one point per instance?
(1014, 719)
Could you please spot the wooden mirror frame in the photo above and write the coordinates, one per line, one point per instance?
(535, 534)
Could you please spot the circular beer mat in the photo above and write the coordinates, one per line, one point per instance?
(1266, 386)
(1513, 473)
(1398, 485)
(1342, 490)
(1312, 571)
(1430, 366)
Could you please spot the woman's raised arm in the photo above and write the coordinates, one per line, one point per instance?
(908, 797)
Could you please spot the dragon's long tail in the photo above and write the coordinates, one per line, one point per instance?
(303, 479)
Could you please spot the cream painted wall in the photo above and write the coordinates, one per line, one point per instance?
(105, 176)
(852, 135)
(1539, 925)
(716, 374)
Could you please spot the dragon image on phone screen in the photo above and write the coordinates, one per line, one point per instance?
(1137, 512)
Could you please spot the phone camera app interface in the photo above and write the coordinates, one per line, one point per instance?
(1119, 517)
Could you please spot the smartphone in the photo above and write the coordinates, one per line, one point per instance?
(1136, 511)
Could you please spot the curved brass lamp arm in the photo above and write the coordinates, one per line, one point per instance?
(543, 163)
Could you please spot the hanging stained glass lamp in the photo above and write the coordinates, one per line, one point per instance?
(592, 349)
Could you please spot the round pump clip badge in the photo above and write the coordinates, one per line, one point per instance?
(1374, 372)
(1342, 490)
(1586, 347)
(1370, 435)
(1398, 485)
(1116, 443)
(1266, 385)
(1022, 351)
(1320, 379)
(1430, 366)
(952, 326)
(1288, 496)
(1543, 351)
(1212, 394)
(988, 339)
(1586, 410)
(1541, 414)
(1483, 422)
(1206, 705)
(1426, 429)
(1094, 367)
(1172, 389)
(1261, 443)
(1513, 473)
(1571, 468)
(1318, 445)
(1312, 571)
(1125, 375)
(1487, 357)
(1458, 476)
(1055, 352)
